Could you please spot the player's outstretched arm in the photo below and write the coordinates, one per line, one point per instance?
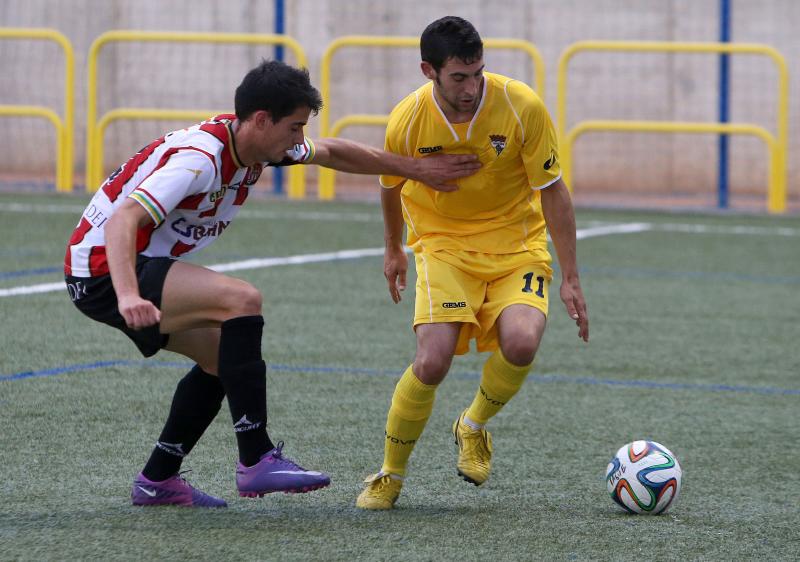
(395, 261)
(560, 218)
(435, 171)
(120, 233)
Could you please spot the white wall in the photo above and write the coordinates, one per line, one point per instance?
(613, 86)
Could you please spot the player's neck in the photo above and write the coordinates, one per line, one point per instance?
(242, 144)
(452, 114)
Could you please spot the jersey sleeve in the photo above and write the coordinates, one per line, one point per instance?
(300, 154)
(186, 172)
(395, 140)
(539, 144)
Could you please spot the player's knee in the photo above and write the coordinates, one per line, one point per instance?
(431, 368)
(520, 349)
(242, 299)
(209, 367)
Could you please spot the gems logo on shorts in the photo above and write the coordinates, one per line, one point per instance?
(459, 304)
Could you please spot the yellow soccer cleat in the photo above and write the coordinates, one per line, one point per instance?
(381, 492)
(474, 451)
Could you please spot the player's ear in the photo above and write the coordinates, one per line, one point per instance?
(262, 118)
(427, 70)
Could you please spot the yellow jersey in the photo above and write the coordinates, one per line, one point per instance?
(498, 209)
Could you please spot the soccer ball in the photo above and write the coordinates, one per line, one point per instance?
(644, 477)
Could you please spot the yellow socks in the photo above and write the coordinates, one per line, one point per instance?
(499, 383)
(412, 404)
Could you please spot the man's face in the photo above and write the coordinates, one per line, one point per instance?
(460, 85)
(276, 138)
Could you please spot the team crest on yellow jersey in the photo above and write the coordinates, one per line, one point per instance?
(498, 142)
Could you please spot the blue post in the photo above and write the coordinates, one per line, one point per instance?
(277, 173)
(724, 87)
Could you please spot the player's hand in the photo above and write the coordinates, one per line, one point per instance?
(439, 171)
(138, 312)
(572, 295)
(395, 266)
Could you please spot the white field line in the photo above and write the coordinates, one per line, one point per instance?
(723, 229)
(222, 267)
(625, 228)
(297, 260)
(301, 259)
(33, 289)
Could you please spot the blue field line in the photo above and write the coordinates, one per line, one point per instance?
(90, 367)
(30, 272)
(546, 378)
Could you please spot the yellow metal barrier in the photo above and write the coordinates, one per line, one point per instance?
(672, 127)
(94, 171)
(326, 175)
(128, 114)
(778, 146)
(65, 130)
(358, 119)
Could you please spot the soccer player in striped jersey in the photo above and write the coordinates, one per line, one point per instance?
(483, 268)
(174, 197)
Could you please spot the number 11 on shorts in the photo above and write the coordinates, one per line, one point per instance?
(528, 277)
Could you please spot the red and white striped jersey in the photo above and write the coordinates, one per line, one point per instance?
(191, 183)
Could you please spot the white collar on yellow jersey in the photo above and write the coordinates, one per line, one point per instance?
(474, 117)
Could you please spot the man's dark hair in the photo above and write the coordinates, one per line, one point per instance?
(450, 37)
(278, 88)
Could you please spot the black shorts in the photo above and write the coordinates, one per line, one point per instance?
(95, 297)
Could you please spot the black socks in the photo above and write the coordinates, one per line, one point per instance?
(197, 400)
(243, 374)
(195, 404)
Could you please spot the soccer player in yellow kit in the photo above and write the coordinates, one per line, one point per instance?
(483, 268)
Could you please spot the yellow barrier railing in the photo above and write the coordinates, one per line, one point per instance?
(357, 119)
(65, 129)
(129, 114)
(671, 127)
(327, 177)
(776, 198)
(94, 171)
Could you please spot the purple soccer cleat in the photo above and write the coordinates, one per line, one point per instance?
(276, 473)
(172, 491)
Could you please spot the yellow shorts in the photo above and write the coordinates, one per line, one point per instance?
(474, 288)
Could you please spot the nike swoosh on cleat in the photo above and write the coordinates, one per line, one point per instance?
(148, 492)
(309, 472)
